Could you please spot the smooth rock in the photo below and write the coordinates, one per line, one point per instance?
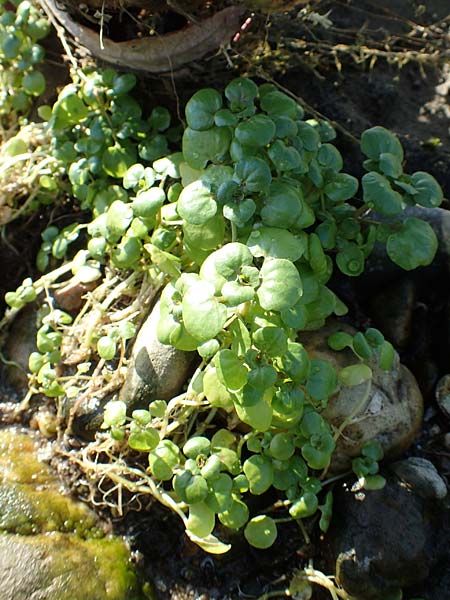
(443, 395)
(421, 476)
(20, 342)
(392, 311)
(53, 547)
(156, 371)
(380, 270)
(385, 540)
(391, 413)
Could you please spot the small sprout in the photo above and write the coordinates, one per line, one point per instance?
(115, 414)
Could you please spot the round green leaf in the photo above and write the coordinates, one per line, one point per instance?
(273, 242)
(285, 158)
(256, 131)
(219, 497)
(306, 506)
(133, 176)
(190, 488)
(261, 532)
(195, 446)
(283, 206)
(259, 472)
(355, 374)
(254, 174)
(240, 93)
(34, 83)
(322, 380)
(415, 245)
(428, 191)
(201, 108)
(342, 187)
(273, 341)
(196, 203)
(378, 194)
(236, 515)
(200, 147)
(201, 519)
(115, 413)
(350, 260)
(106, 347)
(230, 370)
(279, 104)
(377, 140)
(116, 160)
(163, 460)
(203, 315)
(144, 441)
(282, 446)
(281, 286)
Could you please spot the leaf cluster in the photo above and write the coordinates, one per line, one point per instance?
(20, 54)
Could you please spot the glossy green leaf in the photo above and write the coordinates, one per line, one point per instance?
(256, 131)
(283, 206)
(230, 370)
(274, 242)
(240, 93)
(379, 195)
(201, 108)
(259, 472)
(115, 413)
(350, 260)
(201, 520)
(34, 83)
(272, 341)
(281, 286)
(261, 532)
(322, 380)
(190, 488)
(295, 362)
(414, 245)
(390, 165)
(277, 103)
(253, 174)
(117, 159)
(355, 374)
(236, 515)
(428, 191)
(378, 140)
(203, 315)
(305, 506)
(144, 441)
(201, 147)
(196, 203)
(342, 187)
(285, 158)
(163, 460)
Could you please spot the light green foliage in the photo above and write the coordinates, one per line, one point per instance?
(242, 230)
(20, 54)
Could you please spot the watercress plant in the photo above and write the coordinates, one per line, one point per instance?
(242, 228)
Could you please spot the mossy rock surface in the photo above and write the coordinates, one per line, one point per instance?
(49, 542)
(63, 567)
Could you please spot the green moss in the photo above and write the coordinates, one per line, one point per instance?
(63, 567)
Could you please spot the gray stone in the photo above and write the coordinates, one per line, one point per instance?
(156, 371)
(422, 476)
(385, 540)
(391, 412)
(20, 342)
